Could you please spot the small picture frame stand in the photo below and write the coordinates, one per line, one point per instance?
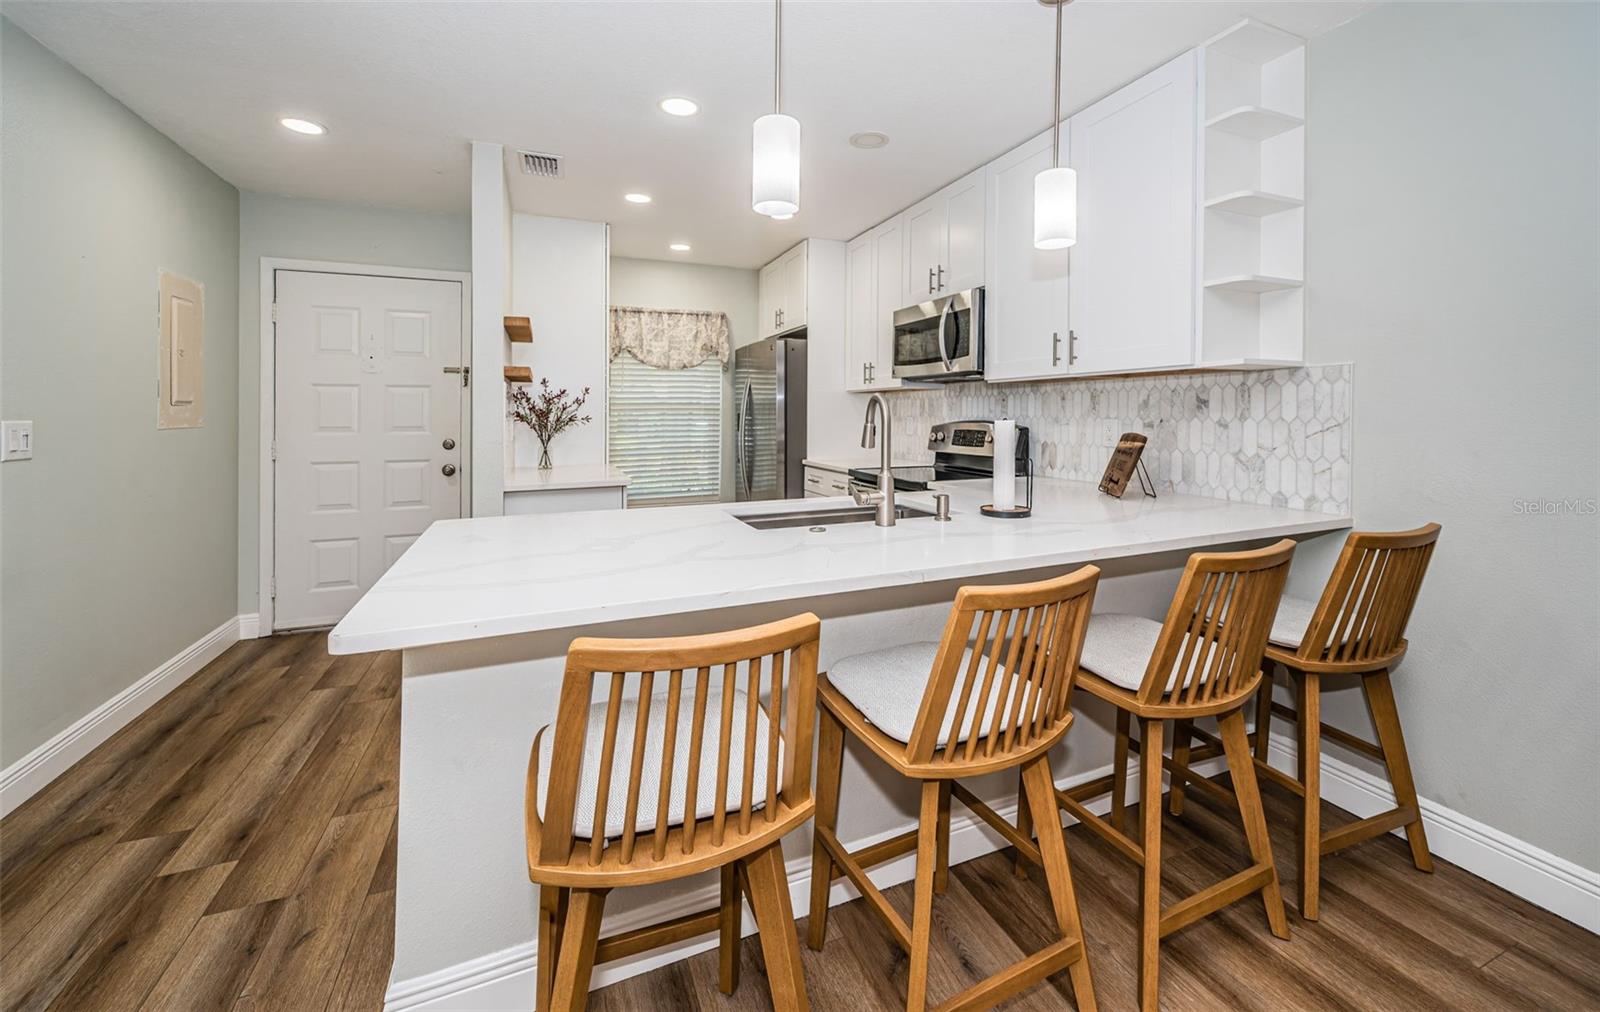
(1127, 462)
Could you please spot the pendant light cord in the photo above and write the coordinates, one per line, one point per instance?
(1055, 121)
(777, 56)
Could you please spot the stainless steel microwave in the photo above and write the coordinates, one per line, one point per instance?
(940, 340)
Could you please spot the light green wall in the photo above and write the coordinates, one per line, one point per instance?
(272, 226)
(1453, 247)
(119, 542)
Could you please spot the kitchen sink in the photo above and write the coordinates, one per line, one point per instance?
(826, 517)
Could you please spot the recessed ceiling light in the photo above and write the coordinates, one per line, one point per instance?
(303, 126)
(679, 106)
(782, 217)
(869, 140)
(636, 198)
(679, 247)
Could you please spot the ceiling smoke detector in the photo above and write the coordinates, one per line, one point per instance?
(537, 163)
(869, 140)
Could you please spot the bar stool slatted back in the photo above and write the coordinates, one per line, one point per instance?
(643, 783)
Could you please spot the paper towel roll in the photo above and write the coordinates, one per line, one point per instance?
(1005, 464)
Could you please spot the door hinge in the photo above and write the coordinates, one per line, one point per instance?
(273, 450)
(274, 312)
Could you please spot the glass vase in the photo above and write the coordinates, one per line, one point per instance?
(544, 457)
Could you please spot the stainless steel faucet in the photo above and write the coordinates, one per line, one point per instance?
(884, 497)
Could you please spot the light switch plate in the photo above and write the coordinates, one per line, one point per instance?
(16, 440)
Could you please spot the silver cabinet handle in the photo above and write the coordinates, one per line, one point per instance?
(941, 277)
(449, 470)
(930, 281)
(1072, 347)
(1055, 348)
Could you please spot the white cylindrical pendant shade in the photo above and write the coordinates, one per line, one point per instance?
(775, 168)
(1055, 209)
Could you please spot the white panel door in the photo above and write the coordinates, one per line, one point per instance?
(964, 217)
(769, 297)
(367, 424)
(890, 255)
(925, 245)
(793, 270)
(1133, 268)
(861, 310)
(1026, 335)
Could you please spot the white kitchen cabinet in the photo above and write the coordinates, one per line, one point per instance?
(944, 241)
(873, 293)
(822, 481)
(1132, 297)
(781, 296)
(1027, 306)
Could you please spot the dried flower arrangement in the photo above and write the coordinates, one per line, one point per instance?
(548, 413)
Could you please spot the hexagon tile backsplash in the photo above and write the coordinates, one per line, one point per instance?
(1279, 437)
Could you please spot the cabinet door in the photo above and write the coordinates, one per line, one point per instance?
(889, 253)
(793, 270)
(924, 249)
(769, 297)
(963, 262)
(861, 305)
(1026, 309)
(1133, 267)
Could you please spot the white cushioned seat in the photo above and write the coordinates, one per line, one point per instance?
(1118, 648)
(706, 802)
(1292, 621)
(887, 686)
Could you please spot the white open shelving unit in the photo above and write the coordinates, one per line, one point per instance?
(1252, 228)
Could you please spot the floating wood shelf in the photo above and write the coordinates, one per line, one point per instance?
(519, 329)
(1254, 122)
(519, 374)
(1255, 203)
(1254, 283)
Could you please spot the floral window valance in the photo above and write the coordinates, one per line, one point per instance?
(669, 338)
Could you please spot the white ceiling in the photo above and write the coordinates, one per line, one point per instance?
(404, 86)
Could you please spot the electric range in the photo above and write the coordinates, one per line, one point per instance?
(963, 451)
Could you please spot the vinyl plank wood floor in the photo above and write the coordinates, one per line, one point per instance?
(234, 849)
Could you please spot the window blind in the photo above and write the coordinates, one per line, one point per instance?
(665, 429)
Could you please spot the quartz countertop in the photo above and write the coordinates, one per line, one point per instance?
(562, 476)
(497, 576)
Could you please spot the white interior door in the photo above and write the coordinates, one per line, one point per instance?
(368, 433)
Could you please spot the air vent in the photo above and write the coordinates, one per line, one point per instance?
(535, 163)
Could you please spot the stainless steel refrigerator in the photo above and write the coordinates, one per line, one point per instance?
(769, 419)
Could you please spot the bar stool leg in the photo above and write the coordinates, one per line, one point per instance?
(1150, 752)
(1119, 773)
(552, 913)
(1040, 795)
(1024, 821)
(1310, 729)
(1264, 710)
(922, 903)
(1180, 762)
(830, 763)
(780, 949)
(570, 989)
(729, 924)
(1243, 770)
(1386, 717)
(941, 870)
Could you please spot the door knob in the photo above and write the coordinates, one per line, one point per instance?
(449, 470)
(449, 444)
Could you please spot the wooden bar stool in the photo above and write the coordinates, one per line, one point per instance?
(1203, 661)
(1357, 628)
(717, 771)
(974, 703)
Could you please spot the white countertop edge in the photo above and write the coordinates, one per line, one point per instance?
(456, 632)
(532, 479)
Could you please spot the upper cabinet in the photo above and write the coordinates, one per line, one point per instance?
(944, 241)
(781, 297)
(1133, 269)
(1026, 309)
(874, 291)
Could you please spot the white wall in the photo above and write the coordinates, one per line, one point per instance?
(664, 284)
(1452, 233)
(120, 541)
(558, 281)
(491, 303)
(272, 226)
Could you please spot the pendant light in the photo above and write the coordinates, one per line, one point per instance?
(775, 165)
(1055, 190)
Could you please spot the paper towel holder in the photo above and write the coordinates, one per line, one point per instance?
(1016, 512)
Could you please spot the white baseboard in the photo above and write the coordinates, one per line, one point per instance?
(250, 626)
(506, 979)
(1538, 876)
(25, 777)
